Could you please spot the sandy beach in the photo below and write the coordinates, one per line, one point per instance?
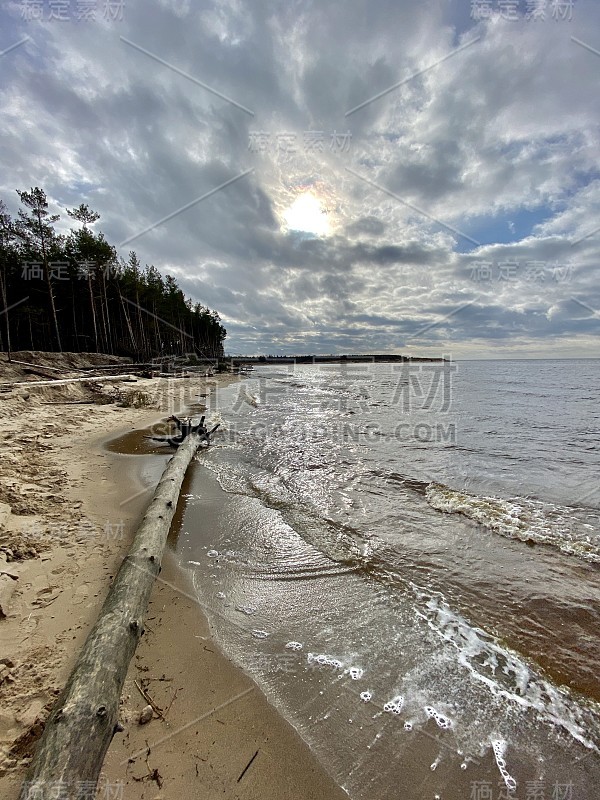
(68, 510)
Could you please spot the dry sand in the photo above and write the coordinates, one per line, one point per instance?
(66, 521)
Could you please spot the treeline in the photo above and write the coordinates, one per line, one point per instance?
(74, 293)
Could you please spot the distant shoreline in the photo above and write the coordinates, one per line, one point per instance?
(343, 359)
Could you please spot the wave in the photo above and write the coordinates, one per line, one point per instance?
(572, 530)
(566, 528)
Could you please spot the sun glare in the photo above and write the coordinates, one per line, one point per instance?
(306, 215)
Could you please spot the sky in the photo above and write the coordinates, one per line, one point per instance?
(391, 176)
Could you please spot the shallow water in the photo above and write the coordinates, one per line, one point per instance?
(406, 561)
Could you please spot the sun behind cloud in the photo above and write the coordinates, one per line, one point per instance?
(306, 215)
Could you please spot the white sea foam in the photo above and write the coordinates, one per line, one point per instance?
(442, 721)
(499, 747)
(527, 520)
(502, 670)
(294, 646)
(395, 705)
(324, 660)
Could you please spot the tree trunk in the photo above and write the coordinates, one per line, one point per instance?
(110, 340)
(49, 283)
(74, 314)
(6, 320)
(83, 722)
(128, 321)
(145, 348)
(93, 307)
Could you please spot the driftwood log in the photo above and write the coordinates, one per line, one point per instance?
(65, 381)
(81, 726)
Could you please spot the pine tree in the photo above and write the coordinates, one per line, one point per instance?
(7, 256)
(118, 308)
(37, 230)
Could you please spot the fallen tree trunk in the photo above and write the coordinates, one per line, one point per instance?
(64, 381)
(81, 726)
(40, 366)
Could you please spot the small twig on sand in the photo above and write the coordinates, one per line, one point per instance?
(171, 703)
(153, 774)
(247, 767)
(149, 700)
(45, 605)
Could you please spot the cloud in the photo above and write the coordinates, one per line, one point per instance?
(503, 126)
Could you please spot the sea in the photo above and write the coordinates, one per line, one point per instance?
(405, 558)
